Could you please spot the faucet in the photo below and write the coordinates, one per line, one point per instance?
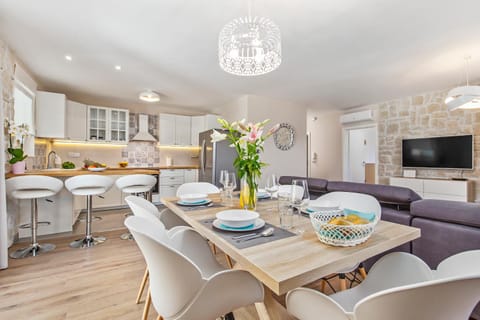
(51, 164)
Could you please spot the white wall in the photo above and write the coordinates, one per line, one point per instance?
(234, 110)
(326, 141)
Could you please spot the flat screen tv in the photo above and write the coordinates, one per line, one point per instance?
(452, 152)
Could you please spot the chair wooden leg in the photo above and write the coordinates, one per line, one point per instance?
(343, 282)
(229, 261)
(214, 249)
(363, 273)
(146, 309)
(159, 317)
(142, 286)
(322, 288)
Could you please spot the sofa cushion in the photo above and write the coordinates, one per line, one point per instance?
(457, 212)
(396, 216)
(315, 185)
(440, 240)
(383, 193)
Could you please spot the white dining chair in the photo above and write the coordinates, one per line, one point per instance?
(359, 202)
(197, 187)
(184, 265)
(445, 299)
(461, 264)
(143, 208)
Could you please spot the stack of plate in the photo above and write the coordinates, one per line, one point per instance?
(238, 220)
(194, 199)
(262, 194)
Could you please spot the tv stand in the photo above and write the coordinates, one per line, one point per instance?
(442, 189)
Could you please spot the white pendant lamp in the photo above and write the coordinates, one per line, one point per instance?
(250, 46)
(465, 97)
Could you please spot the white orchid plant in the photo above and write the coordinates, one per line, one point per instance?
(16, 139)
(248, 139)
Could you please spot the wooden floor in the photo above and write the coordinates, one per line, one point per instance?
(94, 283)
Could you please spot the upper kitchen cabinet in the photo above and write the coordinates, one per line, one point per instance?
(202, 123)
(50, 115)
(107, 124)
(174, 129)
(76, 121)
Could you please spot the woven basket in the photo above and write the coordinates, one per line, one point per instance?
(340, 235)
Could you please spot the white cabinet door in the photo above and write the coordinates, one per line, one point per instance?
(118, 125)
(168, 191)
(76, 121)
(198, 125)
(211, 122)
(191, 175)
(50, 114)
(111, 198)
(167, 129)
(182, 130)
(97, 123)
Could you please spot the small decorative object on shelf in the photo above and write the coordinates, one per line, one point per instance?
(248, 140)
(16, 138)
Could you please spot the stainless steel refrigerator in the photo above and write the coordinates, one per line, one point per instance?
(214, 157)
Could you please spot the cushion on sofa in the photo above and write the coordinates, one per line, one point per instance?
(465, 213)
(383, 193)
(315, 185)
(396, 216)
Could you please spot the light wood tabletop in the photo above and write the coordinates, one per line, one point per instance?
(295, 261)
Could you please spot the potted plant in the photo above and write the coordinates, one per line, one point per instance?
(16, 138)
(248, 140)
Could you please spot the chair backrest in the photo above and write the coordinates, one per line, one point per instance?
(30, 182)
(446, 299)
(394, 270)
(136, 180)
(143, 208)
(461, 264)
(355, 201)
(89, 181)
(197, 187)
(174, 279)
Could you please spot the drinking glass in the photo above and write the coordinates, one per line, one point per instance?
(230, 184)
(223, 177)
(271, 186)
(285, 210)
(299, 199)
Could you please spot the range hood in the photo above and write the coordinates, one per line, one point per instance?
(143, 134)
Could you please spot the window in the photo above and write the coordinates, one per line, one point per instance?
(23, 105)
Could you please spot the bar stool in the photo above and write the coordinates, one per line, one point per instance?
(88, 185)
(136, 184)
(33, 188)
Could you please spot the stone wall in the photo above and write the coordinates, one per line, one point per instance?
(7, 77)
(420, 116)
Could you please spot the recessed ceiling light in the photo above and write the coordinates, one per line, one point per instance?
(68, 57)
(118, 67)
(149, 96)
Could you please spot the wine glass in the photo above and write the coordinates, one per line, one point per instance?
(222, 180)
(299, 199)
(271, 186)
(230, 185)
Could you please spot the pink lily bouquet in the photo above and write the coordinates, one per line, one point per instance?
(248, 139)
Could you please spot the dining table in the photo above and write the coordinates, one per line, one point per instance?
(290, 262)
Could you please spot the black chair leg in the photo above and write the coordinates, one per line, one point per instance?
(229, 316)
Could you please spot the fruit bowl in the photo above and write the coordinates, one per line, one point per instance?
(337, 230)
(96, 169)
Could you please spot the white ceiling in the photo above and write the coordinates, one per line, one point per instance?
(337, 53)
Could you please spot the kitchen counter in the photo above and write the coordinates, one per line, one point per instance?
(78, 172)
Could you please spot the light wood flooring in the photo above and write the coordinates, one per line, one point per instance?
(94, 283)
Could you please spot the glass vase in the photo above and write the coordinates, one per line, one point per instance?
(248, 193)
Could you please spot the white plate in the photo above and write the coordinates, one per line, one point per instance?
(193, 197)
(193, 204)
(96, 169)
(237, 218)
(259, 223)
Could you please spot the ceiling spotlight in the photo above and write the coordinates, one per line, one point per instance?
(118, 67)
(149, 96)
(68, 57)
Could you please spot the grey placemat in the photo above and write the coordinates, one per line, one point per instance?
(206, 206)
(278, 234)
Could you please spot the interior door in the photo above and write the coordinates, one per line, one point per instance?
(361, 149)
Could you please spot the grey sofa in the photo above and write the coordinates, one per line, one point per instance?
(447, 227)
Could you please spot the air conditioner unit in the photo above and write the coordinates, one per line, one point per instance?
(365, 115)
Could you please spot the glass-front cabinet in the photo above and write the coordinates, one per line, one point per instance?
(107, 124)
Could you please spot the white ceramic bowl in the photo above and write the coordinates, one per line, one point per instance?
(97, 169)
(323, 205)
(237, 218)
(193, 197)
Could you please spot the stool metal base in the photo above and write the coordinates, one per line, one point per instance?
(87, 242)
(32, 250)
(126, 236)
